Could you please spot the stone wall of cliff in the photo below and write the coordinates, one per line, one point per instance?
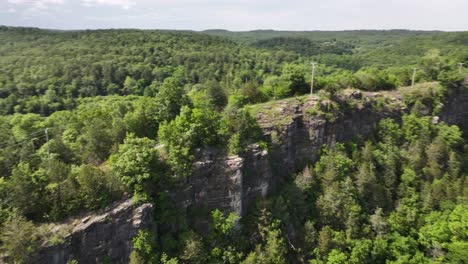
(295, 130)
(104, 236)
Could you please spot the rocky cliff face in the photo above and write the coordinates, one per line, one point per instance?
(102, 237)
(455, 109)
(295, 130)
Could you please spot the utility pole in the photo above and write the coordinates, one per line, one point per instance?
(414, 77)
(313, 76)
(460, 66)
(48, 146)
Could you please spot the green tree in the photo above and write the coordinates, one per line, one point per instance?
(19, 239)
(193, 250)
(24, 190)
(294, 75)
(191, 129)
(337, 257)
(137, 165)
(169, 100)
(96, 187)
(144, 248)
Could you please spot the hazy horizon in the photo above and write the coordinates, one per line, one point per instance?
(236, 31)
(240, 15)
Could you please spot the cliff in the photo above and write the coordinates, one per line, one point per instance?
(295, 130)
(104, 236)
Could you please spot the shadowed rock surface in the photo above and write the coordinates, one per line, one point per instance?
(101, 237)
(295, 130)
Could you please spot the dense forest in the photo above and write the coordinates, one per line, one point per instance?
(89, 116)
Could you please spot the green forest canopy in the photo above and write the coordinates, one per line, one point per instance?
(109, 95)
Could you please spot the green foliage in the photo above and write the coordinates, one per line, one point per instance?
(303, 46)
(294, 76)
(337, 257)
(371, 79)
(97, 188)
(121, 105)
(450, 79)
(19, 239)
(377, 202)
(169, 99)
(136, 164)
(223, 225)
(144, 248)
(193, 251)
(241, 129)
(193, 128)
(276, 88)
(23, 189)
(272, 250)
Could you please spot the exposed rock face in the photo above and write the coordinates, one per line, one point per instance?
(295, 129)
(102, 237)
(455, 110)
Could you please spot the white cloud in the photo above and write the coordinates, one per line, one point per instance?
(35, 2)
(39, 4)
(238, 14)
(125, 4)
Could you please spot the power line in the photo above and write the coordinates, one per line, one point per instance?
(18, 143)
(28, 136)
(35, 135)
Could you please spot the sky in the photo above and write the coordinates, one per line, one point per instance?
(239, 15)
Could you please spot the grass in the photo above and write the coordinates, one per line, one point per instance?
(272, 113)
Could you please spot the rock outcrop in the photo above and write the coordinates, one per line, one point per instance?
(102, 237)
(295, 130)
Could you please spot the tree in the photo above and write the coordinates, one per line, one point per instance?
(294, 75)
(137, 165)
(217, 94)
(97, 141)
(361, 252)
(59, 190)
(130, 86)
(325, 240)
(372, 79)
(19, 238)
(191, 129)
(337, 257)
(97, 188)
(450, 79)
(432, 63)
(193, 251)
(169, 100)
(144, 248)
(143, 120)
(272, 250)
(25, 190)
(276, 88)
(311, 236)
(223, 225)
(378, 222)
(241, 129)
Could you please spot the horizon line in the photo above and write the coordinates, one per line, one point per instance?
(239, 31)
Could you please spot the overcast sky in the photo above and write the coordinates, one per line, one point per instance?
(447, 15)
